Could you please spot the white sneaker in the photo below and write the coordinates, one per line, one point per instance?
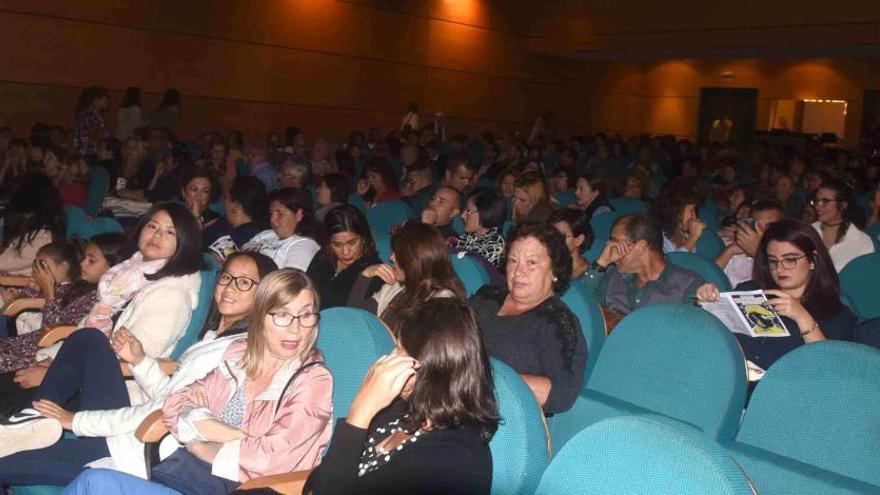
(28, 430)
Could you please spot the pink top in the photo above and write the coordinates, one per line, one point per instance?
(291, 439)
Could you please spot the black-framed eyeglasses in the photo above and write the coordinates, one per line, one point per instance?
(787, 263)
(242, 283)
(284, 319)
(822, 201)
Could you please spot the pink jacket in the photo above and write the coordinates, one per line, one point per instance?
(292, 439)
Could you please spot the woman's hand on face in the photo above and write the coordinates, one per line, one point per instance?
(695, 228)
(50, 409)
(788, 306)
(363, 186)
(708, 293)
(384, 382)
(385, 272)
(127, 346)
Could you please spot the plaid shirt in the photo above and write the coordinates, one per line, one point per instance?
(90, 122)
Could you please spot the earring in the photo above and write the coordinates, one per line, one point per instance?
(555, 279)
(812, 266)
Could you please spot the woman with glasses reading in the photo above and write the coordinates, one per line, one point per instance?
(265, 409)
(836, 211)
(348, 249)
(796, 273)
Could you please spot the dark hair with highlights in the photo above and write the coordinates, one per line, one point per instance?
(453, 386)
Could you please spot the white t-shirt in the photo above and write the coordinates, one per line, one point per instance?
(293, 252)
(855, 243)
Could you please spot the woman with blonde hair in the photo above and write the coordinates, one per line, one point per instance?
(531, 203)
(264, 410)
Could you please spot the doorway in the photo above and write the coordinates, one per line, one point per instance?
(727, 115)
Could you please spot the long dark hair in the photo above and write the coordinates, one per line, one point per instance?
(454, 384)
(187, 258)
(295, 199)
(72, 253)
(850, 211)
(265, 266)
(822, 296)
(34, 205)
(420, 251)
(670, 206)
(383, 167)
(347, 218)
(250, 192)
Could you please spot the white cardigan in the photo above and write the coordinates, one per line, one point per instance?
(119, 425)
(158, 315)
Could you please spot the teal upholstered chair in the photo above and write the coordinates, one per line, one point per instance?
(471, 274)
(860, 284)
(351, 340)
(642, 456)
(564, 198)
(387, 214)
(519, 447)
(669, 359)
(813, 422)
(79, 225)
(99, 184)
(583, 304)
(874, 232)
(383, 247)
(703, 267)
(601, 225)
(626, 206)
(709, 245)
(208, 278)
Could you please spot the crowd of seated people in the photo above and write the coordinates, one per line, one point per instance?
(286, 217)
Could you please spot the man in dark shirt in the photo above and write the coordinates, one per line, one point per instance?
(419, 187)
(641, 275)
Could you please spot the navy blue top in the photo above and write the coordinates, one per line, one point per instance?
(764, 351)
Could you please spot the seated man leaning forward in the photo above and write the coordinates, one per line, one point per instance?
(632, 270)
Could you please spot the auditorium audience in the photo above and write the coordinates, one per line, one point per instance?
(293, 172)
(484, 217)
(677, 209)
(423, 417)
(794, 269)
(198, 190)
(128, 117)
(169, 113)
(737, 258)
(590, 195)
(90, 125)
(228, 436)
(68, 281)
(527, 326)
(348, 250)
(459, 173)
(530, 201)
(104, 410)
(419, 270)
(291, 240)
(246, 209)
(632, 271)
(835, 212)
(419, 186)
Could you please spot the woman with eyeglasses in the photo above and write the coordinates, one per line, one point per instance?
(795, 271)
(265, 409)
(348, 250)
(484, 219)
(836, 211)
(105, 421)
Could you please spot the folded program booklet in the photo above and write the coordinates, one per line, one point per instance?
(747, 312)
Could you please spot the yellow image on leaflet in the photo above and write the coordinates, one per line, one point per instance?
(762, 320)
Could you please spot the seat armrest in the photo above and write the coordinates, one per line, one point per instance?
(168, 366)
(288, 483)
(151, 429)
(24, 304)
(15, 281)
(54, 333)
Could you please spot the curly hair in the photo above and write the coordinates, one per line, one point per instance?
(560, 258)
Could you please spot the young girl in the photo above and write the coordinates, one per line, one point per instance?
(68, 281)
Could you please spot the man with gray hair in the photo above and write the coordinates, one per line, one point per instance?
(293, 172)
(632, 270)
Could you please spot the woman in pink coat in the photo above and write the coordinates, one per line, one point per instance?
(266, 409)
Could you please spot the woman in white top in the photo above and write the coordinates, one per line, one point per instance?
(34, 218)
(833, 203)
(420, 269)
(290, 242)
(129, 114)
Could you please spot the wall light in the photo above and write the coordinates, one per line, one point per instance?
(845, 104)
